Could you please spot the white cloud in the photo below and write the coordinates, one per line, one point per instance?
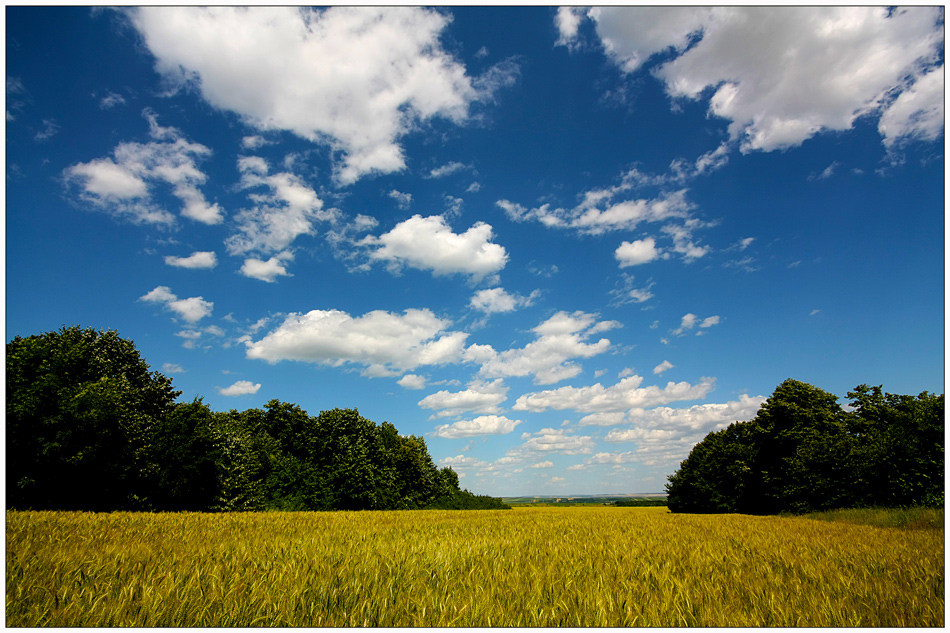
(799, 71)
(624, 395)
(172, 368)
(159, 294)
(412, 381)
(662, 367)
(192, 309)
(690, 321)
(636, 252)
(493, 300)
(549, 358)
(121, 184)
(111, 100)
(287, 211)
(556, 441)
(240, 388)
(480, 397)
(198, 259)
(267, 270)
(385, 343)
(448, 169)
(697, 419)
(429, 244)
(50, 129)
(253, 142)
(356, 78)
(917, 113)
(402, 199)
(544, 464)
(482, 425)
(568, 21)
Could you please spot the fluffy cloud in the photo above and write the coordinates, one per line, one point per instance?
(412, 381)
(918, 112)
(548, 358)
(121, 184)
(544, 464)
(288, 210)
(626, 394)
(600, 212)
(482, 425)
(198, 259)
(556, 441)
(480, 397)
(690, 320)
(357, 78)
(799, 71)
(637, 252)
(698, 419)
(429, 244)
(662, 367)
(267, 270)
(192, 309)
(492, 300)
(240, 388)
(448, 169)
(385, 343)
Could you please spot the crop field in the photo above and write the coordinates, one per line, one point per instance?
(585, 566)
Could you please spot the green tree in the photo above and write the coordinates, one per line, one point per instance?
(81, 405)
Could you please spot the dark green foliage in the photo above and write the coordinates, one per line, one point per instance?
(81, 409)
(90, 428)
(804, 453)
(640, 502)
(465, 500)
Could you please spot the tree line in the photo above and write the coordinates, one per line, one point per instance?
(89, 427)
(803, 452)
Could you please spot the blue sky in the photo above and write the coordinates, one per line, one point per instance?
(561, 244)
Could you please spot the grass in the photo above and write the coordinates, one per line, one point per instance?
(587, 566)
(907, 518)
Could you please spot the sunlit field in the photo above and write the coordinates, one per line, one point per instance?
(587, 566)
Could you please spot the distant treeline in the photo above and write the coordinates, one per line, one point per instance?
(804, 453)
(89, 427)
(640, 502)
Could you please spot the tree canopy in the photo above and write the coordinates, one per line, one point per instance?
(803, 452)
(89, 427)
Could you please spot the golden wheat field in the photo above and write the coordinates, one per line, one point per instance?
(524, 567)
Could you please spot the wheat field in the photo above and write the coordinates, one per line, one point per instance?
(524, 567)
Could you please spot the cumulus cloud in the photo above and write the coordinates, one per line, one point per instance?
(267, 270)
(662, 367)
(412, 381)
(550, 357)
(402, 199)
(917, 113)
(690, 321)
(624, 395)
(385, 343)
(198, 259)
(240, 388)
(121, 184)
(192, 309)
(111, 100)
(429, 244)
(355, 78)
(482, 425)
(544, 464)
(697, 419)
(480, 397)
(287, 210)
(172, 368)
(799, 71)
(492, 300)
(448, 169)
(637, 252)
(556, 441)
